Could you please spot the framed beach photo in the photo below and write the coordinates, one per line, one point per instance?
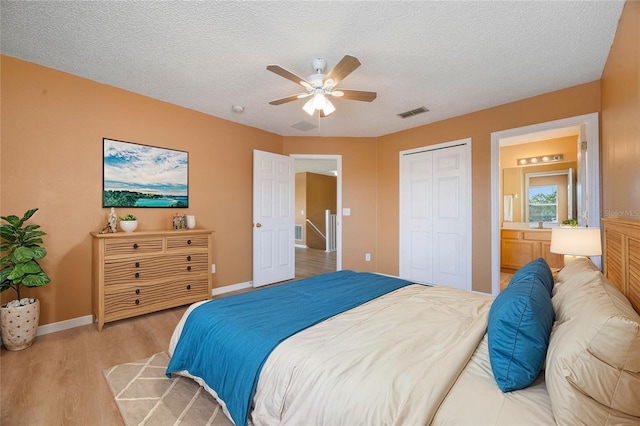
(135, 175)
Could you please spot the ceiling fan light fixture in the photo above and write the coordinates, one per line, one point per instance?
(308, 107)
(319, 100)
(328, 108)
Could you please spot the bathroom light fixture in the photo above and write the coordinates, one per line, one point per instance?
(540, 159)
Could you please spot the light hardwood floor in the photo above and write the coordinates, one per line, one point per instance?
(59, 381)
(311, 262)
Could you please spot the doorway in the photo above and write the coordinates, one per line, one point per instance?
(316, 258)
(588, 184)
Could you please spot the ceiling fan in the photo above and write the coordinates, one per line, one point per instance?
(320, 86)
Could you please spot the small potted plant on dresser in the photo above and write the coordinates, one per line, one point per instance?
(128, 223)
(21, 252)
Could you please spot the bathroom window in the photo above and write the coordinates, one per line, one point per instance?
(543, 203)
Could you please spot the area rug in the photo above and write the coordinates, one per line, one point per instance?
(145, 396)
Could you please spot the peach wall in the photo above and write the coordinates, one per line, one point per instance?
(55, 122)
(52, 129)
(358, 192)
(478, 126)
(620, 85)
(567, 146)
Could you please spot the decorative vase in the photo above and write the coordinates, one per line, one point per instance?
(128, 225)
(191, 221)
(19, 325)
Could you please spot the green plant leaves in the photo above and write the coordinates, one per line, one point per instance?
(21, 249)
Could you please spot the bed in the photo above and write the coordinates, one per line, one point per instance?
(413, 354)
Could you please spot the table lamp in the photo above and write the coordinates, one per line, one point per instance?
(576, 242)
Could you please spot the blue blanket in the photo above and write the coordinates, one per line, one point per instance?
(226, 341)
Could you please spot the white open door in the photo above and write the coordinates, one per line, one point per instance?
(273, 218)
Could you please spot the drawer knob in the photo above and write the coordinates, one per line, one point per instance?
(188, 241)
(137, 264)
(188, 286)
(188, 258)
(137, 275)
(137, 291)
(135, 246)
(188, 268)
(137, 301)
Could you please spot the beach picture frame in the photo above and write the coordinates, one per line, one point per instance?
(136, 175)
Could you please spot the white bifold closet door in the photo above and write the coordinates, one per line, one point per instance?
(435, 214)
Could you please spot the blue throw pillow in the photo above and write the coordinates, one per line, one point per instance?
(520, 322)
(539, 268)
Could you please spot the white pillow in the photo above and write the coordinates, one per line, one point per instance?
(593, 361)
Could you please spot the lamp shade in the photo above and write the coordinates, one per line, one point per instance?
(576, 241)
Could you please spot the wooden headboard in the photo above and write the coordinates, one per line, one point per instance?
(622, 257)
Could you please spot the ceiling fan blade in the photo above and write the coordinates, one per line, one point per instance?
(358, 95)
(343, 68)
(288, 75)
(288, 99)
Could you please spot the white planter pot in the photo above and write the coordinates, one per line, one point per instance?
(128, 225)
(19, 325)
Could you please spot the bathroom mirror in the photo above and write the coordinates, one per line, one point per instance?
(549, 196)
(545, 193)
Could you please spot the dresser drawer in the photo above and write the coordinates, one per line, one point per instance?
(132, 246)
(181, 242)
(135, 300)
(152, 268)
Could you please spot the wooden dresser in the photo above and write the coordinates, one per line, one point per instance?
(519, 247)
(147, 271)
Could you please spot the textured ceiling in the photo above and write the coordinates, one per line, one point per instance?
(453, 57)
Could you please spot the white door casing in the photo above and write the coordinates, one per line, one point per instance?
(435, 214)
(591, 183)
(338, 163)
(273, 218)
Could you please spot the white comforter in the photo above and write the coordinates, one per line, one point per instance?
(389, 361)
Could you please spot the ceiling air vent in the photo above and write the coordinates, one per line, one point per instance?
(413, 112)
(304, 126)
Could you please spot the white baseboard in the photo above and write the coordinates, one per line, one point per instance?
(229, 288)
(301, 246)
(64, 325)
(88, 319)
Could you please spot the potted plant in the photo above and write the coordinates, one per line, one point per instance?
(21, 252)
(128, 223)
